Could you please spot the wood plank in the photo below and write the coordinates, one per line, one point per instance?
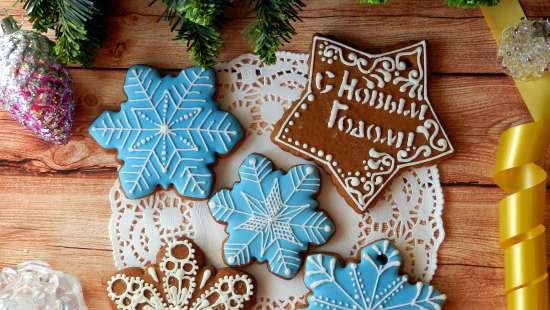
(63, 220)
(323, 8)
(457, 45)
(473, 117)
(139, 39)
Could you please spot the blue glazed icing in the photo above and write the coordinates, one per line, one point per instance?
(167, 132)
(271, 216)
(373, 283)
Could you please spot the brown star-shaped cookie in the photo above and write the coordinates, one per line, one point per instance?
(364, 117)
(180, 280)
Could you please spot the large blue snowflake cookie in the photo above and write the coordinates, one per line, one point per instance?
(372, 283)
(168, 132)
(271, 216)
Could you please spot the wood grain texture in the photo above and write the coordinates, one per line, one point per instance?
(54, 199)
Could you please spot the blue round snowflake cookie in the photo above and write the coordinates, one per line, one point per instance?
(271, 216)
(372, 283)
(167, 132)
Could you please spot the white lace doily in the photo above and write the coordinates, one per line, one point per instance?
(409, 213)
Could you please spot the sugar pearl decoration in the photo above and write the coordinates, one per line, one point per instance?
(525, 49)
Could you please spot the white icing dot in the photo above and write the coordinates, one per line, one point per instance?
(303, 106)
(296, 114)
(329, 157)
(313, 150)
(310, 97)
(290, 123)
(309, 170)
(354, 182)
(287, 130)
(328, 228)
(334, 163)
(330, 61)
(211, 204)
(252, 161)
(287, 271)
(305, 146)
(320, 153)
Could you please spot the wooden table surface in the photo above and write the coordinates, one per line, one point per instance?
(54, 199)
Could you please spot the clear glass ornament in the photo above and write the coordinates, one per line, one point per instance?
(34, 285)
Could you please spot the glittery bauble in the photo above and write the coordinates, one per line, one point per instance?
(35, 89)
(35, 286)
(525, 49)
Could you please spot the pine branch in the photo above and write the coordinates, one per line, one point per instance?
(272, 26)
(197, 22)
(78, 26)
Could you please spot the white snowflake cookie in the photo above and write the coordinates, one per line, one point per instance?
(168, 132)
(271, 216)
(372, 283)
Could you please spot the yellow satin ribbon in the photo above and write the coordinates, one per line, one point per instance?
(522, 231)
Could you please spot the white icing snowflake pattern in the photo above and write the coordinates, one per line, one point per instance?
(271, 216)
(372, 283)
(168, 132)
(418, 201)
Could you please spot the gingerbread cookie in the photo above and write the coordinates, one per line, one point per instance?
(364, 117)
(168, 132)
(371, 283)
(271, 216)
(180, 281)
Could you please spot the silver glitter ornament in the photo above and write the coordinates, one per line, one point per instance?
(524, 50)
(36, 89)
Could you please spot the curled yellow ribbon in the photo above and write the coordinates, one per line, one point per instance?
(522, 232)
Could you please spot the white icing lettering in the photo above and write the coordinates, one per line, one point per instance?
(356, 129)
(336, 106)
(347, 86)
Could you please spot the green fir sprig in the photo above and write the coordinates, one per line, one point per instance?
(272, 26)
(197, 22)
(78, 26)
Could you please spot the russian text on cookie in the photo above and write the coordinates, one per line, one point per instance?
(372, 283)
(271, 216)
(364, 117)
(167, 132)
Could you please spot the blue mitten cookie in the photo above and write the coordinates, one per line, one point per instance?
(372, 283)
(168, 132)
(271, 216)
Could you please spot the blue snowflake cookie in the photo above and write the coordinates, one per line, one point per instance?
(271, 216)
(168, 132)
(373, 283)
